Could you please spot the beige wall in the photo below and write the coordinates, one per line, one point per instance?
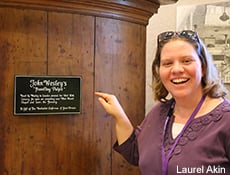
(164, 20)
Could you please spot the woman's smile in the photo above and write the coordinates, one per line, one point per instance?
(179, 80)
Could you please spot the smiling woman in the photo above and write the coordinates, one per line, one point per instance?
(181, 68)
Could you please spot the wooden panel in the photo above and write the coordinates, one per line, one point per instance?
(71, 52)
(58, 144)
(119, 66)
(23, 51)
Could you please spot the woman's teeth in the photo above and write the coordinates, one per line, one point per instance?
(180, 80)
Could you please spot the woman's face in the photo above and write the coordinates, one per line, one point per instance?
(180, 69)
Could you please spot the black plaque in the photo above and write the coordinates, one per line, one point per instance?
(38, 95)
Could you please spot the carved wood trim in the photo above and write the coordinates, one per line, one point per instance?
(136, 11)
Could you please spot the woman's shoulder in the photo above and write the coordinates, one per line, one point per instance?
(155, 116)
(225, 106)
(226, 101)
(218, 112)
(161, 108)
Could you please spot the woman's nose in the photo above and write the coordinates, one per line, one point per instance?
(177, 68)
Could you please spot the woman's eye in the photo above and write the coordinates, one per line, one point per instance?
(187, 61)
(166, 64)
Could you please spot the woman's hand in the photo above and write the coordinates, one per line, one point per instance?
(111, 105)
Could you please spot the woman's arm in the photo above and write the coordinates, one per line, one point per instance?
(123, 126)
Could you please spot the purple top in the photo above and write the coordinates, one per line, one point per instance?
(203, 149)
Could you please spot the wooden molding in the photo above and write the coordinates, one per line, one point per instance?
(166, 2)
(136, 11)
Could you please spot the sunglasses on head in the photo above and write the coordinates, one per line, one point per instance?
(187, 34)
